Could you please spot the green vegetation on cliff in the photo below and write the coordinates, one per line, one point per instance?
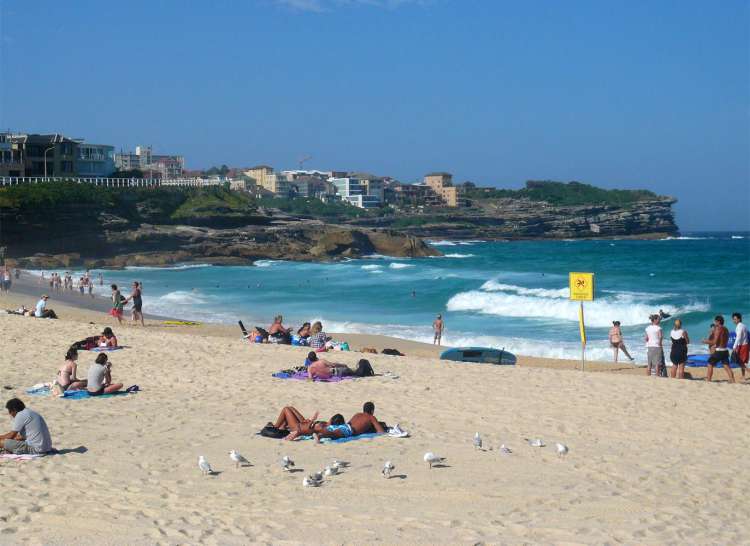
(562, 194)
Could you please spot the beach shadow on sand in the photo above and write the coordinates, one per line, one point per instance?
(441, 465)
(67, 450)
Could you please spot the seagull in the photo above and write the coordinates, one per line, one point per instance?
(331, 471)
(505, 450)
(562, 449)
(388, 467)
(286, 463)
(311, 481)
(204, 466)
(430, 458)
(237, 458)
(338, 465)
(477, 441)
(536, 442)
(318, 476)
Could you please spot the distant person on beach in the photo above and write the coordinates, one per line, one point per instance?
(117, 303)
(304, 331)
(679, 351)
(18, 273)
(41, 309)
(741, 347)
(29, 434)
(101, 279)
(720, 353)
(654, 349)
(438, 326)
(100, 377)
(318, 337)
(278, 333)
(7, 279)
(136, 296)
(66, 375)
(616, 341)
(365, 421)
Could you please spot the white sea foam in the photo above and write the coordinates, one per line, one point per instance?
(397, 265)
(442, 243)
(177, 267)
(598, 313)
(454, 256)
(685, 238)
(371, 267)
(266, 263)
(182, 297)
(738, 237)
(494, 286)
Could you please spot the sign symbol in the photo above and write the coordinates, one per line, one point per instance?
(580, 283)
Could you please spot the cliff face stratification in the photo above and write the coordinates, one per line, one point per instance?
(526, 219)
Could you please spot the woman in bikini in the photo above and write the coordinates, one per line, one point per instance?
(66, 375)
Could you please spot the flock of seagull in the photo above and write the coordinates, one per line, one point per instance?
(316, 479)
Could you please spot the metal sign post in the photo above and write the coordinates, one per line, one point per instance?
(582, 289)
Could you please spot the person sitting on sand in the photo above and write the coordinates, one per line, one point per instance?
(278, 333)
(41, 309)
(304, 331)
(100, 377)
(318, 337)
(29, 434)
(365, 421)
(66, 375)
(107, 339)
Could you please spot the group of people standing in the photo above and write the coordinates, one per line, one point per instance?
(717, 341)
(119, 302)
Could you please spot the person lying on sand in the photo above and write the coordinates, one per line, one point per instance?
(336, 428)
(100, 377)
(292, 420)
(365, 421)
(322, 369)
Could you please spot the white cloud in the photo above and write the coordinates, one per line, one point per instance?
(320, 6)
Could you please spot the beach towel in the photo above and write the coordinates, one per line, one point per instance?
(302, 376)
(106, 349)
(343, 440)
(80, 394)
(26, 457)
(40, 389)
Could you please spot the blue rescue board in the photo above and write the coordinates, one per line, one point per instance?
(479, 354)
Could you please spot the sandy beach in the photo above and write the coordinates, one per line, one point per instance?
(651, 461)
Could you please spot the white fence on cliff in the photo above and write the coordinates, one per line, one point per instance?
(114, 182)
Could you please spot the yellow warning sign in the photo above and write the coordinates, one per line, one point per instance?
(582, 286)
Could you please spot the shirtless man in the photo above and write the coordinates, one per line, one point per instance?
(720, 353)
(438, 326)
(365, 422)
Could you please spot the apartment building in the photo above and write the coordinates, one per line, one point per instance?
(441, 183)
(265, 178)
(152, 165)
(46, 155)
(95, 160)
(11, 162)
(355, 191)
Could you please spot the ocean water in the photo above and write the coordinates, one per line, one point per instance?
(501, 294)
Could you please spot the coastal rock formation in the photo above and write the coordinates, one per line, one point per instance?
(526, 219)
(109, 245)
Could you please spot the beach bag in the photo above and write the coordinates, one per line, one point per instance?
(270, 431)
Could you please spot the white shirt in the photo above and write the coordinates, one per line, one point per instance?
(742, 337)
(40, 305)
(653, 336)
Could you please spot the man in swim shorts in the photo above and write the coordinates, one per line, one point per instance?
(365, 422)
(720, 355)
(438, 326)
(741, 347)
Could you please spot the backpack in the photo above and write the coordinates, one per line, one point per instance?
(270, 431)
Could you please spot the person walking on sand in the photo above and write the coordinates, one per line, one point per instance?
(438, 326)
(136, 295)
(741, 347)
(117, 303)
(654, 350)
(720, 353)
(679, 351)
(616, 342)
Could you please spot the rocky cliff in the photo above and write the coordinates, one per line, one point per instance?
(527, 219)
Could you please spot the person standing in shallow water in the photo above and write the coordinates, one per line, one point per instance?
(438, 326)
(616, 341)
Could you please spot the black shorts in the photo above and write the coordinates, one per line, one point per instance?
(137, 307)
(97, 393)
(719, 357)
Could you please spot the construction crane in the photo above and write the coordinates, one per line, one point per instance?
(302, 161)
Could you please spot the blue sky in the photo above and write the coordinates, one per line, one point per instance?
(621, 94)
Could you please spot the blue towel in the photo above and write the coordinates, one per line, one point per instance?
(78, 395)
(342, 440)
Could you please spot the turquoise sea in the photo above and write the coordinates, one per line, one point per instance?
(501, 294)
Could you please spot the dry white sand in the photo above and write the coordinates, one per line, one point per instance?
(651, 460)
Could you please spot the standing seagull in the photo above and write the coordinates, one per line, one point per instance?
(477, 441)
(312, 481)
(331, 470)
(430, 458)
(388, 467)
(205, 468)
(237, 458)
(562, 449)
(286, 463)
(536, 442)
